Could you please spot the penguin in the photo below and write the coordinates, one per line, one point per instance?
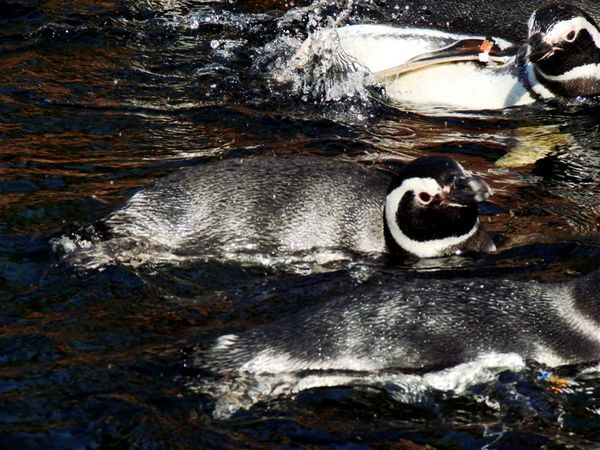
(564, 51)
(560, 62)
(420, 326)
(268, 207)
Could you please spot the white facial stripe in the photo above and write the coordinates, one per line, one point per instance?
(530, 23)
(557, 32)
(428, 185)
(428, 249)
(591, 71)
(433, 248)
(465, 173)
(566, 309)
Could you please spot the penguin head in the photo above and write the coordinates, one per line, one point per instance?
(431, 207)
(564, 49)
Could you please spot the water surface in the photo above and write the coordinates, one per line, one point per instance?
(99, 99)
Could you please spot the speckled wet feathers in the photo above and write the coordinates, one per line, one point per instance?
(266, 204)
(421, 324)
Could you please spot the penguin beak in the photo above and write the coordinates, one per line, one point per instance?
(539, 49)
(466, 191)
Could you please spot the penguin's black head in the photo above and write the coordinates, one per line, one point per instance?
(431, 207)
(564, 48)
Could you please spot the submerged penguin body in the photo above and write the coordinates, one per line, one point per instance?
(423, 325)
(265, 205)
(273, 210)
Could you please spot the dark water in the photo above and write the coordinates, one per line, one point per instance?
(99, 98)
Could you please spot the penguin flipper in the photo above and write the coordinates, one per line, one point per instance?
(463, 50)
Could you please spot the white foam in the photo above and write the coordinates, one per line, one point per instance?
(243, 392)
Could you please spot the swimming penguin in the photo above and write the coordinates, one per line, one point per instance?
(276, 206)
(423, 325)
(559, 62)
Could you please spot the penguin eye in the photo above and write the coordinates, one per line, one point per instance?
(424, 198)
(570, 36)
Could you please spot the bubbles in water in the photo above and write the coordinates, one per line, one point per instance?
(321, 71)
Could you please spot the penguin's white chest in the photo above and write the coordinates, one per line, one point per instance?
(458, 85)
(377, 48)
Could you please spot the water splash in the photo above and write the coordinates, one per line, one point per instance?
(245, 390)
(321, 70)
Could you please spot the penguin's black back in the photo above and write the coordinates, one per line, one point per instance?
(424, 324)
(504, 18)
